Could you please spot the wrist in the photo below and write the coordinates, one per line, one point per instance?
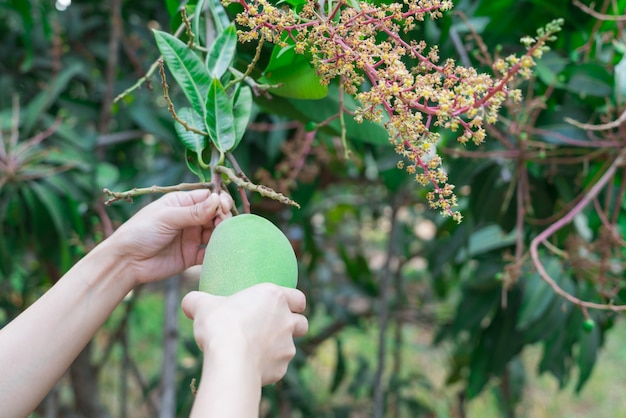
(109, 264)
(232, 352)
(230, 386)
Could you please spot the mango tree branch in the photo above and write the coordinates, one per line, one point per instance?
(257, 188)
(240, 182)
(170, 105)
(542, 237)
(132, 193)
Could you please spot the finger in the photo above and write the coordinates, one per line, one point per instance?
(193, 301)
(296, 300)
(226, 202)
(301, 325)
(199, 214)
(189, 198)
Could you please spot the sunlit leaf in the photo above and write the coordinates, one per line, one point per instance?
(186, 67)
(222, 52)
(191, 140)
(220, 120)
(242, 109)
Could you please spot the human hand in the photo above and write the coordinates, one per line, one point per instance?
(169, 235)
(253, 328)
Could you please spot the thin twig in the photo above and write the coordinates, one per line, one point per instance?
(250, 67)
(149, 73)
(129, 195)
(605, 221)
(112, 61)
(602, 127)
(231, 158)
(599, 16)
(385, 283)
(543, 236)
(15, 123)
(170, 105)
(187, 23)
(264, 191)
(260, 189)
(309, 137)
(139, 82)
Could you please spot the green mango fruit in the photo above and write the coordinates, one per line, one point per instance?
(246, 250)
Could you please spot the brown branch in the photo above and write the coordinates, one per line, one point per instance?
(597, 15)
(388, 270)
(605, 221)
(552, 229)
(257, 188)
(240, 182)
(130, 194)
(602, 127)
(170, 105)
(250, 67)
(112, 61)
(149, 73)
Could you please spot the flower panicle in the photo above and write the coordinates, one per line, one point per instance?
(364, 45)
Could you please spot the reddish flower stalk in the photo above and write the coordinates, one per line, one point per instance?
(364, 46)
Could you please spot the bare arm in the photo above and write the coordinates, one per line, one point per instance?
(38, 346)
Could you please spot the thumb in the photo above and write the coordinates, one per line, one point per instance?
(195, 300)
(190, 303)
(199, 214)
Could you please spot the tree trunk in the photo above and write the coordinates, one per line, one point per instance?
(84, 376)
(170, 345)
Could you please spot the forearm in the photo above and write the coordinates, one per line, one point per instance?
(229, 388)
(40, 344)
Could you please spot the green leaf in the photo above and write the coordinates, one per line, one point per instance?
(242, 109)
(489, 238)
(186, 67)
(293, 73)
(537, 295)
(222, 52)
(220, 120)
(298, 81)
(549, 67)
(320, 110)
(196, 27)
(590, 79)
(218, 13)
(42, 102)
(553, 319)
(193, 164)
(340, 367)
(172, 7)
(588, 352)
(191, 140)
(25, 10)
(620, 80)
(473, 308)
(52, 204)
(284, 56)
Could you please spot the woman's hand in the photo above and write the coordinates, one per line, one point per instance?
(255, 327)
(170, 234)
